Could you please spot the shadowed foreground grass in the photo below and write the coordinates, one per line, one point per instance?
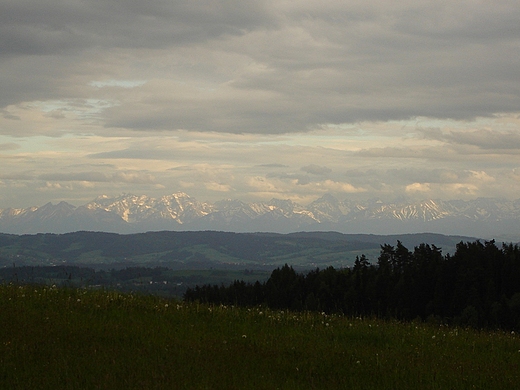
(55, 338)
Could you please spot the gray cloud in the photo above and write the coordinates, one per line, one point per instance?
(10, 116)
(415, 175)
(146, 153)
(272, 166)
(17, 176)
(316, 170)
(183, 168)
(298, 179)
(47, 46)
(122, 177)
(54, 27)
(484, 139)
(370, 98)
(265, 67)
(9, 146)
(126, 153)
(133, 177)
(79, 176)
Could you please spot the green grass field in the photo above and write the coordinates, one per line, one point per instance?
(53, 338)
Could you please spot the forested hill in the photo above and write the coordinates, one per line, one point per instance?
(204, 249)
(477, 286)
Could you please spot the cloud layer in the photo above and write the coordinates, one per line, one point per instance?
(289, 99)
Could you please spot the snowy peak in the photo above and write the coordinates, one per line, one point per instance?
(428, 210)
(135, 209)
(328, 208)
(178, 211)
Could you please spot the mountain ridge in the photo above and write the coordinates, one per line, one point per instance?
(205, 249)
(128, 213)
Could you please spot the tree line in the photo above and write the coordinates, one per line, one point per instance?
(478, 286)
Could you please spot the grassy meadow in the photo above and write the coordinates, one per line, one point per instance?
(58, 338)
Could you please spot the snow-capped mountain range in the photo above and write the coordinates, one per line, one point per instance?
(483, 217)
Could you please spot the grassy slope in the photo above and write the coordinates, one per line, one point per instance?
(75, 339)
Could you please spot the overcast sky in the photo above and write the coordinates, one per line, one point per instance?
(254, 100)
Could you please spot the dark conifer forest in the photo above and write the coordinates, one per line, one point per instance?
(477, 286)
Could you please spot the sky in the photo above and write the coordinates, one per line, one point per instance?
(254, 100)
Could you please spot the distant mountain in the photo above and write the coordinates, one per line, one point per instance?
(483, 217)
(205, 249)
